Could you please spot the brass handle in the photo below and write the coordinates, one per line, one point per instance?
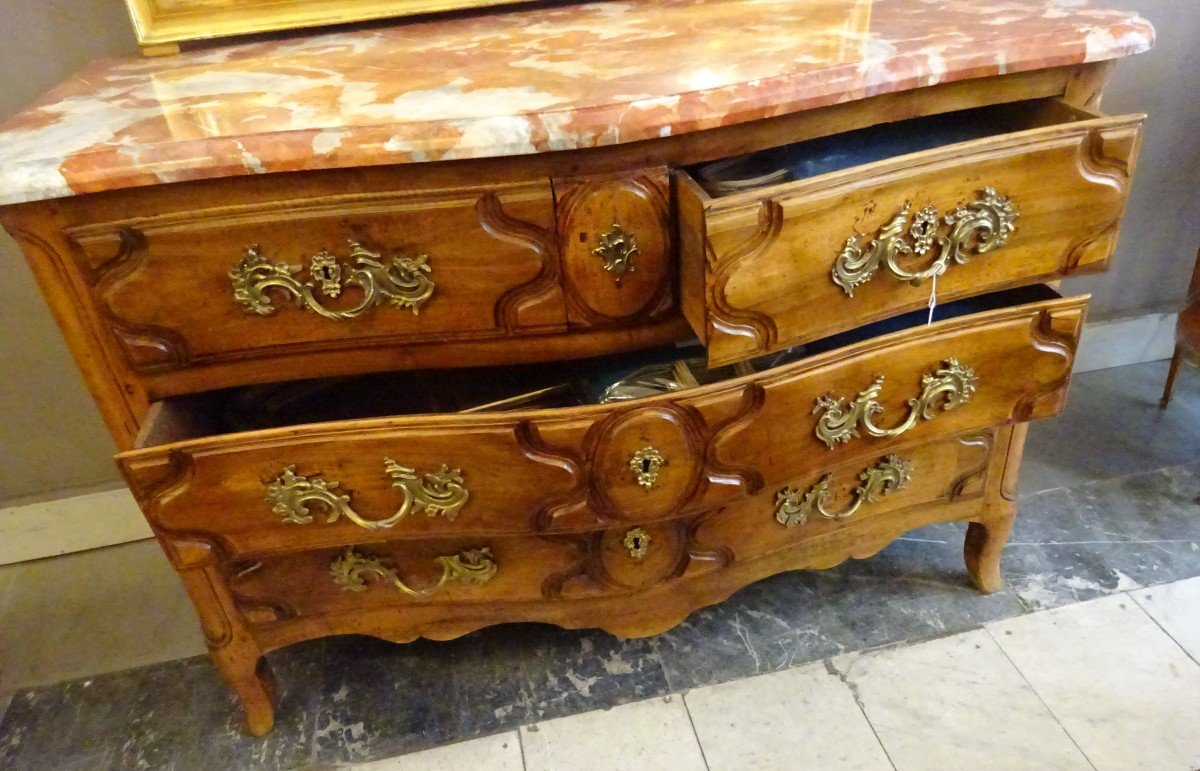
(617, 249)
(402, 283)
(637, 541)
(438, 492)
(645, 465)
(950, 385)
(981, 226)
(887, 476)
(351, 569)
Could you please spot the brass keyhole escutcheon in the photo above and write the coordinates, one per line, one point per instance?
(637, 541)
(645, 465)
(617, 248)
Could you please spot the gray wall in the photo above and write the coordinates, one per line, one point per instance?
(51, 438)
(50, 435)
(1161, 232)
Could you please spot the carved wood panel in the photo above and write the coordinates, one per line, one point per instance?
(616, 238)
(773, 256)
(571, 471)
(167, 289)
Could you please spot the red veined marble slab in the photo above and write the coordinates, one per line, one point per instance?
(512, 83)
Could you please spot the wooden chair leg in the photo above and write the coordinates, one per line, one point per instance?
(1175, 359)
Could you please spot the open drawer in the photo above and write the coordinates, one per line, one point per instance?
(864, 223)
(328, 469)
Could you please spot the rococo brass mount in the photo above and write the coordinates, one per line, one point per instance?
(887, 476)
(975, 228)
(439, 492)
(617, 249)
(351, 569)
(637, 541)
(402, 283)
(645, 465)
(950, 385)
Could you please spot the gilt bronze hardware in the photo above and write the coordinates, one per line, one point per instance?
(949, 386)
(645, 465)
(351, 569)
(887, 476)
(439, 492)
(981, 226)
(637, 541)
(403, 282)
(617, 249)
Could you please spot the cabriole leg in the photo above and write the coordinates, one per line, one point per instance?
(232, 649)
(987, 535)
(985, 541)
(249, 675)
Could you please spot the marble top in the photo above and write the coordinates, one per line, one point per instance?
(550, 78)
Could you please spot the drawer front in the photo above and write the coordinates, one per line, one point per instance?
(835, 514)
(481, 570)
(830, 506)
(590, 468)
(328, 273)
(414, 573)
(864, 244)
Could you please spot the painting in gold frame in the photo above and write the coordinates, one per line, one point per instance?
(161, 25)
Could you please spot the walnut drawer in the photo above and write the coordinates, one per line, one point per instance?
(202, 287)
(775, 266)
(823, 509)
(481, 571)
(521, 577)
(581, 469)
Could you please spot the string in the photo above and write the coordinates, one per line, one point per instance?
(932, 299)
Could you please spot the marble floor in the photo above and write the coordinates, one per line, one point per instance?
(1088, 657)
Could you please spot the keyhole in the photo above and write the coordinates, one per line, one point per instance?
(326, 273)
(645, 465)
(637, 543)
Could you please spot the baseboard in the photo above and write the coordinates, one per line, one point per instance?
(1120, 342)
(74, 523)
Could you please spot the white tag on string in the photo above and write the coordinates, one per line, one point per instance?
(932, 299)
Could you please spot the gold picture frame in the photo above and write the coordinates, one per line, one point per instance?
(161, 25)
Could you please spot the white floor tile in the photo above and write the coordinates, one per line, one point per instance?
(803, 718)
(651, 735)
(1123, 689)
(1176, 607)
(957, 702)
(501, 752)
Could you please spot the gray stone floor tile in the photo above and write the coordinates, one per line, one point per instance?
(382, 699)
(1112, 426)
(915, 589)
(1075, 544)
(175, 715)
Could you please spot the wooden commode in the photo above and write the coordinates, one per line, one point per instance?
(586, 315)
